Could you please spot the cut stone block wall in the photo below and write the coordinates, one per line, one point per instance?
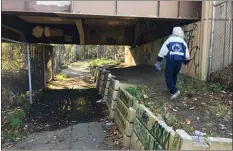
(98, 77)
(127, 98)
(125, 113)
(106, 81)
(112, 95)
(100, 81)
(141, 129)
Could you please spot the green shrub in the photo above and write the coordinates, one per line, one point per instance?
(15, 119)
(65, 67)
(135, 92)
(61, 76)
(99, 62)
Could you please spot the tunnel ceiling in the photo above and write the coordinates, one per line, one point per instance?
(91, 29)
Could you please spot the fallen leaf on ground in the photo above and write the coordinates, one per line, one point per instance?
(192, 108)
(30, 141)
(222, 126)
(145, 96)
(187, 121)
(218, 115)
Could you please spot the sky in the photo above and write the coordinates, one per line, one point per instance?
(58, 3)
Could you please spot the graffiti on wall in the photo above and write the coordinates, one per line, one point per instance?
(146, 54)
(161, 134)
(142, 28)
(143, 135)
(153, 128)
(193, 49)
(111, 36)
(176, 145)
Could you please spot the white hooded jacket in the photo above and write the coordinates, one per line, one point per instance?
(177, 37)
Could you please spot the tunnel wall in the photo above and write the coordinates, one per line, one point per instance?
(197, 36)
(146, 54)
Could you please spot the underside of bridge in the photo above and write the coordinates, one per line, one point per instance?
(95, 22)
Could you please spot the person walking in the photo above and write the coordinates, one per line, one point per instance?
(176, 51)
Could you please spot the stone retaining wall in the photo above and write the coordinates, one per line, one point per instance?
(126, 113)
(141, 129)
(112, 95)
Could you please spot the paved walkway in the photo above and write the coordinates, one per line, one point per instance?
(70, 117)
(76, 137)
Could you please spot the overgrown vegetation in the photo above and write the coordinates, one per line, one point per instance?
(61, 76)
(99, 62)
(218, 109)
(65, 67)
(193, 90)
(15, 119)
(171, 119)
(224, 78)
(13, 56)
(160, 110)
(191, 85)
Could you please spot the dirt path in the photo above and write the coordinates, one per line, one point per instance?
(67, 119)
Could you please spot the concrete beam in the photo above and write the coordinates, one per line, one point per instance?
(79, 25)
(22, 36)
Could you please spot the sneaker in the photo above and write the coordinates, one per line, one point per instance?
(99, 101)
(174, 96)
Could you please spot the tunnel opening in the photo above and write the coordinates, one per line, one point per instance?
(57, 109)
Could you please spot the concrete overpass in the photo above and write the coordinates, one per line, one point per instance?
(95, 22)
(145, 24)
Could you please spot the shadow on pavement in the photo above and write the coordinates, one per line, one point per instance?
(57, 109)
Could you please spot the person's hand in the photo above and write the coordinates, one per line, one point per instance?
(186, 62)
(158, 66)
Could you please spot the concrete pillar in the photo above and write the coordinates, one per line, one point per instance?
(205, 38)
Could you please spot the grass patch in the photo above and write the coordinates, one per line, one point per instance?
(65, 67)
(214, 87)
(81, 63)
(220, 110)
(191, 84)
(61, 76)
(15, 119)
(136, 92)
(99, 62)
(171, 119)
(194, 85)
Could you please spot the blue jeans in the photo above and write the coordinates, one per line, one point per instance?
(171, 71)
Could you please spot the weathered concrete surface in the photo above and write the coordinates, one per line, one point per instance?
(73, 118)
(81, 136)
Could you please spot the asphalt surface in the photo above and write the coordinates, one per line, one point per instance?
(67, 119)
